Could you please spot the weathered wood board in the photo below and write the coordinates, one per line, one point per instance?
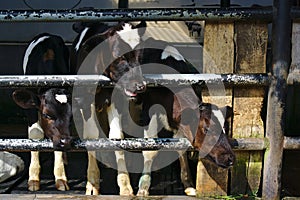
(251, 48)
(236, 48)
(218, 57)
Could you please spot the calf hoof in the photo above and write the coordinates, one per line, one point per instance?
(33, 185)
(144, 185)
(91, 189)
(142, 193)
(124, 184)
(190, 191)
(61, 185)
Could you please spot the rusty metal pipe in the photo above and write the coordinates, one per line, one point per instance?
(165, 14)
(153, 80)
(131, 144)
(104, 144)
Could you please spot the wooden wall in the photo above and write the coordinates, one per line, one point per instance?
(236, 48)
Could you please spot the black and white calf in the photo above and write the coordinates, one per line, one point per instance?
(48, 110)
(108, 50)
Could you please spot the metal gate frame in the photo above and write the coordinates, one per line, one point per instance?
(281, 15)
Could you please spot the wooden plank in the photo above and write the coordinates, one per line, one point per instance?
(251, 48)
(218, 57)
(213, 180)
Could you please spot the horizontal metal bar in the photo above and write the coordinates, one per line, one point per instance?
(53, 81)
(293, 78)
(291, 143)
(154, 80)
(131, 144)
(139, 144)
(166, 14)
(249, 144)
(104, 144)
(238, 80)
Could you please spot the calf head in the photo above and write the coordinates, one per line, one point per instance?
(211, 136)
(55, 113)
(113, 55)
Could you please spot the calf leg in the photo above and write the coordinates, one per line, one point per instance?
(185, 175)
(34, 132)
(59, 172)
(93, 175)
(91, 131)
(34, 172)
(123, 176)
(145, 180)
(115, 132)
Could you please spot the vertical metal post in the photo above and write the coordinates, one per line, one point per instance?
(281, 39)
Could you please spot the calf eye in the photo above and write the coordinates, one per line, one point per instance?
(206, 129)
(45, 115)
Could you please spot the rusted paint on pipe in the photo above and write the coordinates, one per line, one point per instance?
(152, 80)
(53, 81)
(132, 144)
(104, 144)
(166, 14)
(291, 143)
(249, 144)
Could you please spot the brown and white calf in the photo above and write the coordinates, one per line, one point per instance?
(160, 57)
(182, 113)
(108, 50)
(48, 110)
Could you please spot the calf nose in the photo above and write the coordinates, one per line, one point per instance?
(140, 87)
(64, 143)
(230, 160)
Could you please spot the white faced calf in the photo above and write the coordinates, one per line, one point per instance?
(49, 110)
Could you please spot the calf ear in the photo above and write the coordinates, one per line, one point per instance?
(228, 111)
(25, 99)
(205, 110)
(78, 27)
(142, 28)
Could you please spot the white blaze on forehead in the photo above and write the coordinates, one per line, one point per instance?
(82, 34)
(218, 114)
(61, 98)
(29, 50)
(173, 52)
(129, 35)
